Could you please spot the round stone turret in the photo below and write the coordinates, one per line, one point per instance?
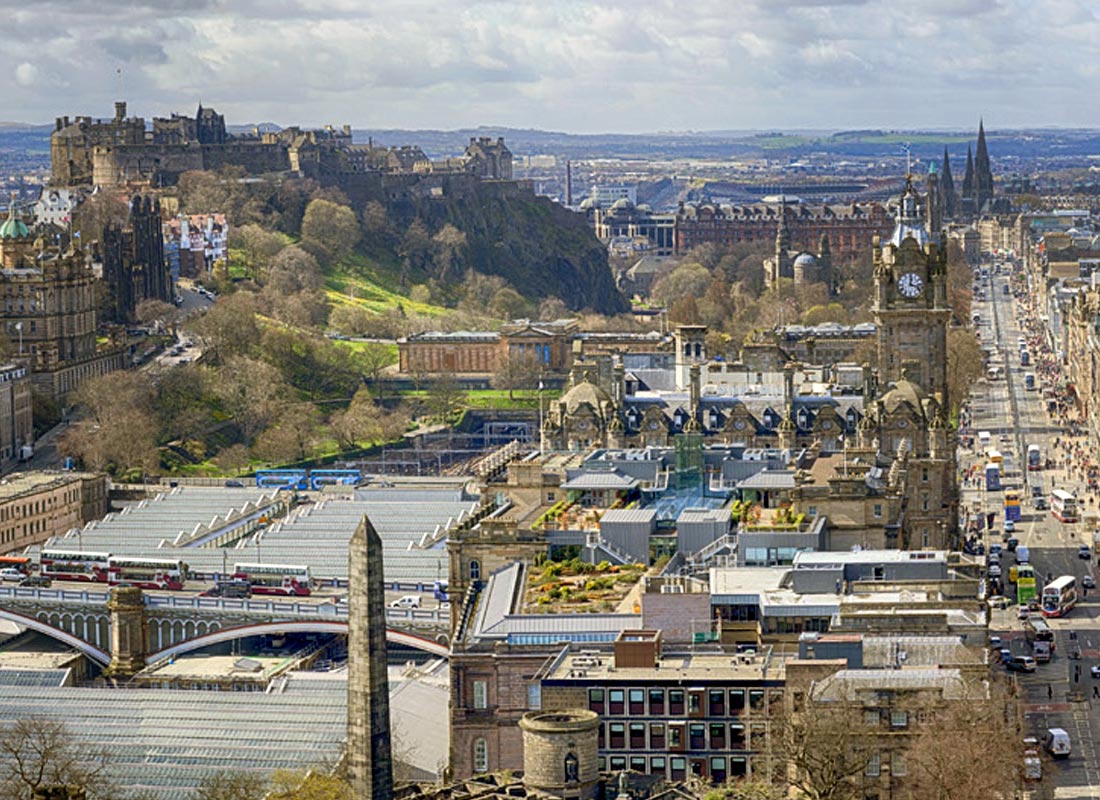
(559, 752)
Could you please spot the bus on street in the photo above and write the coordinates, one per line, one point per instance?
(1012, 505)
(147, 573)
(1063, 506)
(1059, 596)
(275, 578)
(992, 477)
(74, 565)
(1034, 458)
(1025, 583)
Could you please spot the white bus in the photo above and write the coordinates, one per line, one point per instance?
(275, 578)
(74, 565)
(1063, 506)
(1059, 596)
(147, 573)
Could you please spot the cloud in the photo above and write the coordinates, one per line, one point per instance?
(26, 74)
(630, 65)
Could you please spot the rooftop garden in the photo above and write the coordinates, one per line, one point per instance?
(575, 586)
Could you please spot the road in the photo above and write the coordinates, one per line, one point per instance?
(1062, 693)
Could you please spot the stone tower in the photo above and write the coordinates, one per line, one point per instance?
(968, 177)
(370, 757)
(559, 753)
(128, 639)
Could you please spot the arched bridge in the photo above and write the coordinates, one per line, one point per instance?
(178, 624)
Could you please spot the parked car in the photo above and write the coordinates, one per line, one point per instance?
(38, 581)
(1056, 742)
(1040, 504)
(1012, 544)
(995, 642)
(994, 570)
(1094, 670)
(1010, 526)
(1022, 611)
(1085, 552)
(11, 574)
(1088, 582)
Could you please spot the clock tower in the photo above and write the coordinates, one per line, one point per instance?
(910, 305)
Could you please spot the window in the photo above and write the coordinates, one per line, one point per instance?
(924, 502)
(595, 700)
(534, 696)
(481, 756)
(615, 701)
(874, 766)
(572, 768)
(876, 509)
(676, 701)
(637, 764)
(481, 694)
(695, 703)
(716, 703)
(899, 719)
(737, 700)
(657, 765)
(637, 736)
(870, 717)
(678, 765)
(697, 736)
(618, 763)
(475, 570)
(924, 537)
(656, 701)
(739, 767)
(656, 736)
(676, 736)
(616, 735)
(717, 736)
(718, 769)
(924, 474)
(898, 767)
(811, 511)
(637, 702)
(756, 698)
(737, 736)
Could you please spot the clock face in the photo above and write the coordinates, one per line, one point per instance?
(910, 284)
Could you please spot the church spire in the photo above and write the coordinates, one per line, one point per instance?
(947, 187)
(968, 178)
(983, 172)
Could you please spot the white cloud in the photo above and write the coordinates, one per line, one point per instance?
(26, 74)
(579, 65)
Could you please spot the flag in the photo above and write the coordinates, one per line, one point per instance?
(540, 386)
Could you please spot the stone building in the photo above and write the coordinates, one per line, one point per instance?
(35, 506)
(800, 266)
(16, 415)
(133, 262)
(847, 227)
(489, 159)
(546, 344)
(49, 311)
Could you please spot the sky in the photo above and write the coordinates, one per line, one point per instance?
(630, 66)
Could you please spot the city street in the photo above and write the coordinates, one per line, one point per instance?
(1061, 693)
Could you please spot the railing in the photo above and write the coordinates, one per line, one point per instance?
(28, 593)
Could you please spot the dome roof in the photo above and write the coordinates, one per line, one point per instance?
(904, 391)
(13, 227)
(585, 394)
(622, 204)
(805, 260)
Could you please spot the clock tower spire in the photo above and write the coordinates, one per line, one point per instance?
(910, 305)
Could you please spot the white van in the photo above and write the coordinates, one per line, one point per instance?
(408, 601)
(1056, 742)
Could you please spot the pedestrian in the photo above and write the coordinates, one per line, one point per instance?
(1096, 691)
(1050, 692)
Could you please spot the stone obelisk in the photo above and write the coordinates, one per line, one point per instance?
(370, 757)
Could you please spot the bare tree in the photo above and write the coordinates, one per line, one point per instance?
(36, 753)
(516, 371)
(332, 226)
(964, 364)
(824, 749)
(228, 785)
(445, 398)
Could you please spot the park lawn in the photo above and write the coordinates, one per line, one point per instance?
(494, 398)
(356, 347)
(362, 281)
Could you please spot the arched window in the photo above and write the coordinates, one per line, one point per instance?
(475, 570)
(481, 756)
(572, 770)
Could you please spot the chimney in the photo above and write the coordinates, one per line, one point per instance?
(638, 649)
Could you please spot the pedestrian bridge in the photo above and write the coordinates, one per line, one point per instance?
(176, 624)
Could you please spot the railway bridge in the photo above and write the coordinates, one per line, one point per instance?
(126, 626)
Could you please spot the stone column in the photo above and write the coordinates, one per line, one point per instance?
(128, 636)
(370, 760)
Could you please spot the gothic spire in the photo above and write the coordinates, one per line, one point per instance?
(968, 179)
(947, 187)
(983, 172)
